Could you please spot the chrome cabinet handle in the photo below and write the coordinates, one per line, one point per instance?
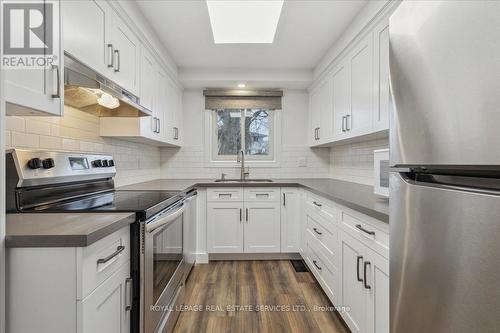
(241, 213)
(347, 128)
(159, 125)
(316, 231)
(119, 250)
(319, 133)
(343, 123)
(176, 133)
(58, 82)
(247, 214)
(111, 58)
(317, 204)
(284, 200)
(117, 55)
(360, 227)
(315, 264)
(128, 294)
(364, 275)
(359, 258)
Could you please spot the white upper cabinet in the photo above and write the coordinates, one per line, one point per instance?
(126, 52)
(173, 121)
(358, 99)
(341, 97)
(86, 32)
(148, 84)
(360, 119)
(321, 112)
(381, 76)
(38, 92)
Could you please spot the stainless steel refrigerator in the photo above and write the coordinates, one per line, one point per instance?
(445, 158)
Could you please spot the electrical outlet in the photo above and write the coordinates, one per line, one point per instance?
(302, 162)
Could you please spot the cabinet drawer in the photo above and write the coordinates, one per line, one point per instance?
(322, 207)
(326, 274)
(101, 259)
(325, 238)
(225, 194)
(366, 232)
(262, 194)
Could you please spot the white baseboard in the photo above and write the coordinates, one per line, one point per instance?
(202, 258)
(253, 256)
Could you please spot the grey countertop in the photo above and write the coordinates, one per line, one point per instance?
(62, 229)
(355, 196)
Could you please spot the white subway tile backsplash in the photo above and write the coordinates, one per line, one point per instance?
(50, 142)
(354, 162)
(16, 124)
(35, 126)
(25, 140)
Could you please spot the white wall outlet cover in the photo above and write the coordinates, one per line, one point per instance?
(302, 162)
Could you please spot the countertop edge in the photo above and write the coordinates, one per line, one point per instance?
(36, 241)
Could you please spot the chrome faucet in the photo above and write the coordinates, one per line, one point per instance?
(241, 158)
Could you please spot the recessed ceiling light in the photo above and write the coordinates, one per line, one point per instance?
(241, 85)
(237, 21)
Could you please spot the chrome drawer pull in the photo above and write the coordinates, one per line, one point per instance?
(317, 204)
(128, 294)
(316, 231)
(119, 250)
(314, 262)
(360, 227)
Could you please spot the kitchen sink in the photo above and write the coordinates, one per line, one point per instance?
(243, 181)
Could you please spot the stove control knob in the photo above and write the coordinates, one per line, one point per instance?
(97, 164)
(105, 163)
(111, 163)
(48, 163)
(35, 163)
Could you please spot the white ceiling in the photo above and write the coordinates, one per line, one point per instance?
(306, 30)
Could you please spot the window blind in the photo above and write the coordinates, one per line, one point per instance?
(217, 99)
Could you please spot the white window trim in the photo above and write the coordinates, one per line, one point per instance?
(210, 144)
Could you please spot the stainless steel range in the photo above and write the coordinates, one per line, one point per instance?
(45, 181)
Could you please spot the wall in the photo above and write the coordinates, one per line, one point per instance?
(354, 161)
(188, 161)
(79, 131)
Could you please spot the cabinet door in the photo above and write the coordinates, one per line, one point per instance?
(37, 91)
(378, 293)
(360, 120)
(225, 227)
(381, 77)
(86, 32)
(262, 227)
(352, 290)
(314, 116)
(148, 82)
(176, 100)
(290, 219)
(326, 113)
(126, 49)
(106, 309)
(341, 99)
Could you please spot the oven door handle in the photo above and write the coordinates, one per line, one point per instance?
(161, 221)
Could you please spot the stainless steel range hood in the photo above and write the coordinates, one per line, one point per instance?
(83, 86)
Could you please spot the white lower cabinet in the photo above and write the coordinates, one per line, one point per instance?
(243, 221)
(105, 309)
(365, 287)
(351, 267)
(262, 227)
(70, 289)
(290, 219)
(225, 227)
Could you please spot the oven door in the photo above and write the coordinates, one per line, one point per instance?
(163, 264)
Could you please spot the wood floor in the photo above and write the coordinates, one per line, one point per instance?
(214, 290)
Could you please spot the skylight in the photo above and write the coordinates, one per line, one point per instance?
(244, 21)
